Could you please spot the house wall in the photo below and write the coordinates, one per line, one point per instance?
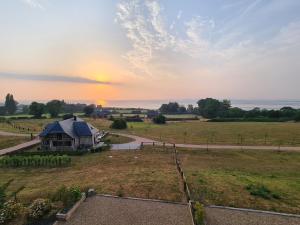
(57, 142)
(86, 141)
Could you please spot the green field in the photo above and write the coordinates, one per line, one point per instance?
(9, 141)
(266, 180)
(146, 174)
(236, 133)
(193, 132)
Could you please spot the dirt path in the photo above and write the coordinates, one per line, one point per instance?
(19, 147)
(138, 140)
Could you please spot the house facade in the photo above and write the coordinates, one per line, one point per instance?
(69, 134)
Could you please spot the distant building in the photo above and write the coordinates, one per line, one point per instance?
(101, 113)
(70, 134)
(152, 113)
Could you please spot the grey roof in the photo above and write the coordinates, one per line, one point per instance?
(73, 127)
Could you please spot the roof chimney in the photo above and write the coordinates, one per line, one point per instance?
(75, 118)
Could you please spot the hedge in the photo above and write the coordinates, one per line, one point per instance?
(35, 161)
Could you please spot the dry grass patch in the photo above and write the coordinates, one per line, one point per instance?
(199, 132)
(265, 180)
(146, 174)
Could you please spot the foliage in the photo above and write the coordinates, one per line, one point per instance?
(9, 211)
(39, 208)
(211, 108)
(160, 119)
(68, 196)
(297, 117)
(35, 161)
(262, 191)
(67, 116)
(88, 110)
(36, 109)
(54, 107)
(199, 213)
(172, 108)
(119, 123)
(10, 104)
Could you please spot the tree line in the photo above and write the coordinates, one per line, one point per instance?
(223, 111)
(37, 109)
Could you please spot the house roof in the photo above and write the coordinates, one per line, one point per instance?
(73, 127)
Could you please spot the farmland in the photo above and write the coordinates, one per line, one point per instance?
(192, 132)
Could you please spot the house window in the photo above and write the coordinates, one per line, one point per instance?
(59, 136)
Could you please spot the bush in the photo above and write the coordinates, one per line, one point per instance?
(160, 119)
(119, 124)
(39, 208)
(68, 196)
(35, 161)
(262, 191)
(9, 211)
(199, 213)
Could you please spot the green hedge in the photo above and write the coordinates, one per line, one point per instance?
(35, 161)
(51, 153)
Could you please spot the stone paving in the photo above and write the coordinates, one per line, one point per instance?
(102, 210)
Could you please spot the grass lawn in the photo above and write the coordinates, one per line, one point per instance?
(9, 141)
(146, 174)
(265, 180)
(34, 125)
(197, 132)
(117, 139)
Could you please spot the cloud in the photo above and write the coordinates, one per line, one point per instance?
(51, 78)
(34, 3)
(159, 49)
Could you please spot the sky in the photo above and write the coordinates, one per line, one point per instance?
(102, 50)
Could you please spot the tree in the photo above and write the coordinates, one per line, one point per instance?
(297, 117)
(88, 110)
(10, 104)
(211, 108)
(160, 119)
(190, 108)
(54, 107)
(36, 109)
(119, 123)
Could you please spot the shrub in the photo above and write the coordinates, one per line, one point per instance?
(199, 213)
(39, 208)
(119, 124)
(35, 161)
(262, 191)
(9, 211)
(160, 119)
(68, 196)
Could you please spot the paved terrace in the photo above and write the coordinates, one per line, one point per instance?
(102, 210)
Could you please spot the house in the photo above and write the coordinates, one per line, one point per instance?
(70, 134)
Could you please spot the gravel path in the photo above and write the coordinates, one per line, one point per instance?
(217, 216)
(138, 140)
(100, 210)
